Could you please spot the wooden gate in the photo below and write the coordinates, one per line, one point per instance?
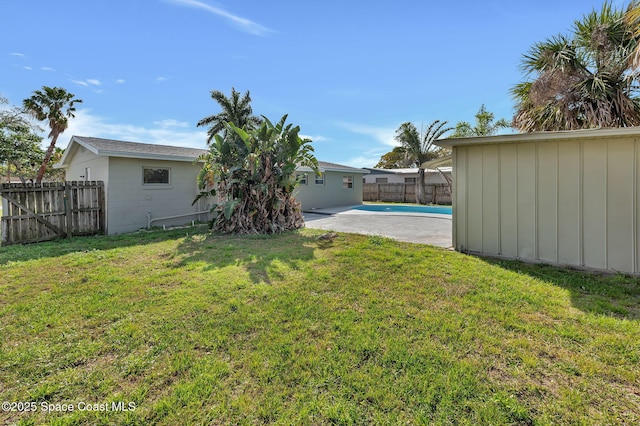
(51, 210)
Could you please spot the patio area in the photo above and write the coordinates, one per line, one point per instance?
(420, 228)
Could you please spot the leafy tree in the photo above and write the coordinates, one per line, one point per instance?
(253, 176)
(419, 147)
(19, 144)
(395, 159)
(485, 125)
(236, 109)
(581, 80)
(56, 106)
(20, 151)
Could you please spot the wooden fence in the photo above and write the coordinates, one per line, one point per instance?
(51, 210)
(438, 193)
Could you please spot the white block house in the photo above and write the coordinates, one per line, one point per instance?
(159, 181)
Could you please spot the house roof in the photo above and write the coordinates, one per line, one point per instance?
(619, 132)
(440, 163)
(333, 167)
(324, 166)
(406, 171)
(114, 148)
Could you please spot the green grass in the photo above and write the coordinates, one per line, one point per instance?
(194, 328)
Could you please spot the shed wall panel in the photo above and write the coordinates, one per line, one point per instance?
(491, 200)
(459, 195)
(620, 169)
(547, 200)
(636, 215)
(594, 203)
(526, 196)
(508, 200)
(474, 199)
(569, 203)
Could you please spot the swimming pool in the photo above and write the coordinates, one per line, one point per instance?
(393, 208)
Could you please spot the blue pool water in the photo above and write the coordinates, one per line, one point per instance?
(403, 209)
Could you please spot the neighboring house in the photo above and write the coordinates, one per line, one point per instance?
(159, 181)
(336, 185)
(407, 176)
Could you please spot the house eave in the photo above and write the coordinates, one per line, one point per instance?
(619, 132)
(145, 156)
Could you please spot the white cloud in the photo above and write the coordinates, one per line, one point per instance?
(88, 82)
(161, 79)
(27, 68)
(243, 24)
(120, 81)
(315, 138)
(21, 55)
(47, 69)
(363, 161)
(384, 135)
(171, 123)
(87, 124)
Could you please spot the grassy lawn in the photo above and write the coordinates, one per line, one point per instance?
(191, 328)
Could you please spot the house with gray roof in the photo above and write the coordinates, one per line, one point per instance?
(143, 182)
(336, 185)
(148, 184)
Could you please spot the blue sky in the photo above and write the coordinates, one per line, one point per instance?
(347, 72)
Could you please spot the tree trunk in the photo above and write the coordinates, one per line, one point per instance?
(421, 197)
(47, 157)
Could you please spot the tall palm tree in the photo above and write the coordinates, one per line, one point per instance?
(56, 106)
(582, 80)
(632, 19)
(419, 148)
(236, 109)
(484, 126)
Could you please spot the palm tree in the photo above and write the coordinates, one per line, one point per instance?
(632, 19)
(56, 106)
(582, 80)
(235, 109)
(485, 125)
(419, 148)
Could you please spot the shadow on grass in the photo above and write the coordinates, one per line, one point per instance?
(56, 248)
(614, 295)
(264, 257)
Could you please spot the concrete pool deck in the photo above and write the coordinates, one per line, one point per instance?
(422, 228)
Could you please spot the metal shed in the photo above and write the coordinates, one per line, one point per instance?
(568, 198)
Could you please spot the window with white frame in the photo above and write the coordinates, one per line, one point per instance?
(381, 180)
(347, 182)
(156, 176)
(302, 178)
(411, 180)
(320, 179)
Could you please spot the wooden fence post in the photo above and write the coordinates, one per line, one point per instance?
(68, 209)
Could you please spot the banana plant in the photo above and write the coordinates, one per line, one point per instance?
(253, 176)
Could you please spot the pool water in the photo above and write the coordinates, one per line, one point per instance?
(402, 208)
